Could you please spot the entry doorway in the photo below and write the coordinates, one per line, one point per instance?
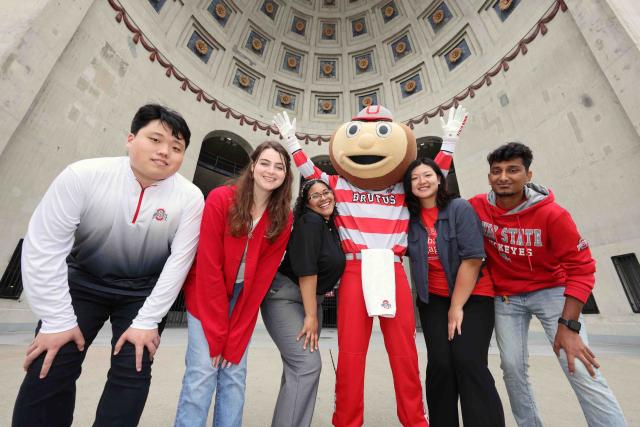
(222, 157)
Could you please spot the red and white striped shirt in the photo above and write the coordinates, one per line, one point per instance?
(367, 219)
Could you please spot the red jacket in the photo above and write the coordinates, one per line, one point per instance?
(209, 286)
(535, 246)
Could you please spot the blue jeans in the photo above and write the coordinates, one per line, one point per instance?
(201, 380)
(598, 403)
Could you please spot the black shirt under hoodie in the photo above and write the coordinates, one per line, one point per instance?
(314, 249)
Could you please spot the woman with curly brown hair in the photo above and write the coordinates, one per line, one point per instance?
(292, 310)
(244, 232)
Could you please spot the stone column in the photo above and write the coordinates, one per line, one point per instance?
(33, 35)
(611, 29)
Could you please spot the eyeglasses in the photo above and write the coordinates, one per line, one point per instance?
(318, 196)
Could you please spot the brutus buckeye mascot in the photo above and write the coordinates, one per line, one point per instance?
(371, 154)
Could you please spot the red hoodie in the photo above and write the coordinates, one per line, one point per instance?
(534, 246)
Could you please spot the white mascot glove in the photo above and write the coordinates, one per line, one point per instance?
(452, 127)
(287, 129)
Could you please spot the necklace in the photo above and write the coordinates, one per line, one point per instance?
(250, 233)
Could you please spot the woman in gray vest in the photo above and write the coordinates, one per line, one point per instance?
(292, 310)
(446, 250)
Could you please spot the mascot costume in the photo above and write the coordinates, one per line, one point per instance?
(371, 154)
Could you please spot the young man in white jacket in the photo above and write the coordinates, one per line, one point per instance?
(112, 238)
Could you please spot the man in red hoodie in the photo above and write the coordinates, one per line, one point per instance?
(541, 266)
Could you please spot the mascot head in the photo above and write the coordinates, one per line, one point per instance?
(372, 151)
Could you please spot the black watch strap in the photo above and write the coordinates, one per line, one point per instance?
(574, 325)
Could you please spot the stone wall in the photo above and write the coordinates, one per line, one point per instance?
(70, 89)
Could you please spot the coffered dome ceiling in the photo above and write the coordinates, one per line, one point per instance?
(323, 60)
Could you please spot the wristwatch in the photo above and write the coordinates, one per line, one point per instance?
(574, 325)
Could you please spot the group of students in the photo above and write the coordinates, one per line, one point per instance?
(115, 238)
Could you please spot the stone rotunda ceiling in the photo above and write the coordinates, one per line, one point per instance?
(323, 60)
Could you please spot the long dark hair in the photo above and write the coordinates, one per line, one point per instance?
(279, 205)
(442, 195)
(301, 207)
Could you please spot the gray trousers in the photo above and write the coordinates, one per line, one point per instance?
(283, 315)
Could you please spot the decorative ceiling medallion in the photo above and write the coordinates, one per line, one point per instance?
(363, 63)
(388, 11)
(201, 95)
(328, 31)
(300, 25)
(201, 47)
(438, 16)
(326, 105)
(358, 27)
(292, 62)
(327, 69)
(410, 86)
(401, 47)
(285, 99)
(221, 11)
(367, 100)
(243, 80)
(268, 6)
(455, 55)
(505, 4)
(256, 44)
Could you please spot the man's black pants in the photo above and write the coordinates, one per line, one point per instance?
(459, 367)
(51, 401)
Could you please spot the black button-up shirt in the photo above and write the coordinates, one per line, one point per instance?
(314, 249)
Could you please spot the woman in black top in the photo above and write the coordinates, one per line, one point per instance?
(292, 308)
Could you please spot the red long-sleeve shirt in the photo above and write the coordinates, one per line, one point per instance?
(535, 248)
(209, 286)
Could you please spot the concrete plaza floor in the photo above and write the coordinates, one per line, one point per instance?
(616, 346)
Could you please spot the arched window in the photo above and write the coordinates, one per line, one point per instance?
(223, 156)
